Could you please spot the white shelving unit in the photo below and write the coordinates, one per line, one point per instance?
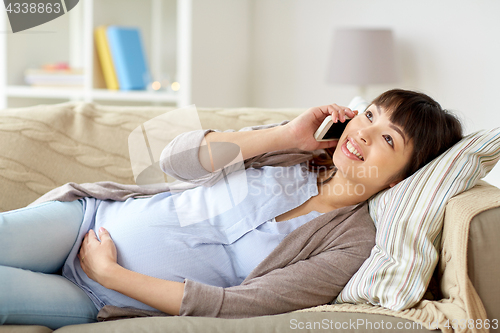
(81, 44)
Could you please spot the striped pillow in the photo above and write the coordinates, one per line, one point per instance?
(409, 218)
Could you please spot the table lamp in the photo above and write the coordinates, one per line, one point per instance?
(361, 57)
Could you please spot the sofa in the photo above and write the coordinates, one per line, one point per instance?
(45, 146)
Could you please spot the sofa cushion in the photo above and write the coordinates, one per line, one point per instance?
(483, 260)
(288, 322)
(24, 329)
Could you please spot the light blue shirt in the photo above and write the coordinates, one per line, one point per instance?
(214, 235)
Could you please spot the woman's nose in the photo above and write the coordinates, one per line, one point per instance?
(364, 136)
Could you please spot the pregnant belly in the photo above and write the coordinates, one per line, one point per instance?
(174, 254)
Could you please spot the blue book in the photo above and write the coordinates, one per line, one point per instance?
(128, 57)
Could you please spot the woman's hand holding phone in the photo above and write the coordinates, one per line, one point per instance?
(299, 133)
(301, 129)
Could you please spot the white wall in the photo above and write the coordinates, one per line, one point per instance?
(448, 49)
(221, 53)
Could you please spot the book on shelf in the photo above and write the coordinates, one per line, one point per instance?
(128, 57)
(60, 78)
(104, 53)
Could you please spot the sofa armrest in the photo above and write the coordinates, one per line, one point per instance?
(483, 259)
(461, 277)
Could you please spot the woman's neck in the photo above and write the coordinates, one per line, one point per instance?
(341, 192)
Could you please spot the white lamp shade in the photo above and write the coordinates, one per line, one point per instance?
(363, 57)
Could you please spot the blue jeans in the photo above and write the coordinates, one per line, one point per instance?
(34, 244)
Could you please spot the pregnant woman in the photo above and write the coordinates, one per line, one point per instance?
(292, 239)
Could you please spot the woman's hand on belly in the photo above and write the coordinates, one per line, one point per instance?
(99, 262)
(97, 257)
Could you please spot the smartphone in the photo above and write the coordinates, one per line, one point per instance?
(330, 130)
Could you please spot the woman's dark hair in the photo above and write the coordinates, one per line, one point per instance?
(431, 129)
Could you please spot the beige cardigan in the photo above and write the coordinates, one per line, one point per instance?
(309, 267)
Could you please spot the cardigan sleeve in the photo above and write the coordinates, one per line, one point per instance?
(179, 158)
(313, 281)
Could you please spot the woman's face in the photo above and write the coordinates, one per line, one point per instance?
(372, 150)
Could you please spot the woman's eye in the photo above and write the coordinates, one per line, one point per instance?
(388, 139)
(369, 115)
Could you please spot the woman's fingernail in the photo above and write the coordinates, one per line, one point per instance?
(101, 229)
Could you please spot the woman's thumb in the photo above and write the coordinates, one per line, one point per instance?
(103, 233)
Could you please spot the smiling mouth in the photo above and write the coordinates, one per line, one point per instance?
(353, 150)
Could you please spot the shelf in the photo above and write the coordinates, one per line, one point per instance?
(134, 95)
(26, 91)
(95, 94)
(81, 55)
